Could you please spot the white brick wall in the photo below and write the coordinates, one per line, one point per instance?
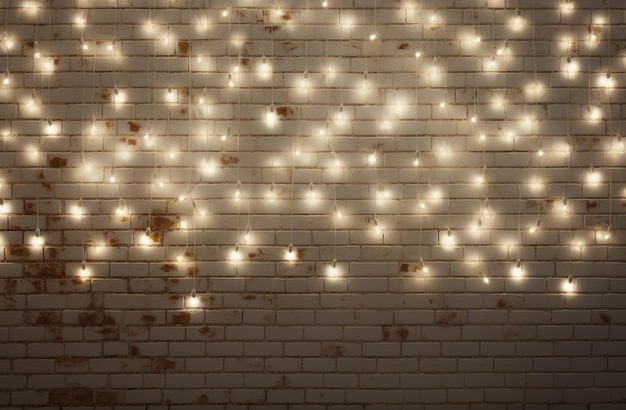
(267, 329)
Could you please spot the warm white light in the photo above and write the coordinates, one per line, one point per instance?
(371, 158)
(593, 176)
(237, 194)
(564, 206)
(447, 238)
(270, 116)
(619, 143)
(606, 80)
(271, 195)
(170, 96)
(534, 228)
(540, 151)
(372, 36)
(567, 6)
(291, 255)
(231, 83)
(324, 3)
(502, 49)
(593, 113)
(6, 80)
(607, 234)
(476, 37)
(422, 266)
(569, 285)
(518, 269)
(38, 238)
(416, 161)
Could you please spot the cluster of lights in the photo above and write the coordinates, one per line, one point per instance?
(235, 74)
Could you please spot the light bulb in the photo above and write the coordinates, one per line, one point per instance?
(230, 80)
(377, 228)
(536, 226)
(84, 46)
(372, 36)
(364, 84)
(271, 114)
(83, 267)
(487, 210)
(271, 195)
(237, 194)
(564, 207)
(568, 284)
(111, 45)
(518, 20)
(518, 269)
(290, 249)
(540, 149)
(264, 67)
(607, 234)
(420, 203)
(422, 266)
(324, 3)
(567, 5)
(226, 134)
(37, 53)
(371, 158)
(569, 65)
(171, 94)
(418, 53)
(474, 118)
(619, 142)
(607, 82)
(304, 83)
(416, 161)
(337, 212)
(225, 12)
(6, 80)
(476, 36)
(246, 236)
(593, 112)
(502, 49)
(593, 176)
(485, 278)
(112, 175)
(481, 177)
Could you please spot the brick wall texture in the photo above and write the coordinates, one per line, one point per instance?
(308, 204)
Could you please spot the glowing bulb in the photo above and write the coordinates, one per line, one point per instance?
(246, 236)
(324, 3)
(518, 20)
(564, 207)
(111, 45)
(502, 49)
(418, 53)
(226, 134)
(607, 82)
(371, 158)
(420, 203)
(518, 269)
(422, 266)
(6, 80)
(567, 6)
(364, 84)
(225, 13)
(481, 177)
(476, 36)
(84, 46)
(487, 211)
(593, 112)
(619, 142)
(271, 195)
(237, 194)
(372, 36)
(540, 149)
(338, 213)
(607, 234)
(37, 53)
(304, 83)
(569, 285)
(485, 279)
(271, 114)
(230, 80)
(112, 175)
(536, 226)
(171, 94)
(474, 118)
(416, 161)
(290, 252)
(593, 176)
